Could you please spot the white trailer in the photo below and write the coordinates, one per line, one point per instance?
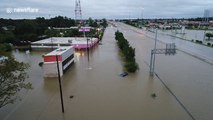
(65, 59)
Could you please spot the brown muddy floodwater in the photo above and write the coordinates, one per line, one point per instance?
(101, 94)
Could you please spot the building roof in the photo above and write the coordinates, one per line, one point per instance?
(65, 40)
(59, 51)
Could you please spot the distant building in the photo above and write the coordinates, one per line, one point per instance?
(68, 28)
(56, 42)
(210, 25)
(165, 27)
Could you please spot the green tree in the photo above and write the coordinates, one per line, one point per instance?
(93, 23)
(25, 27)
(12, 80)
(104, 23)
(90, 21)
(209, 35)
(42, 26)
(6, 36)
(26, 31)
(131, 66)
(128, 52)
(75, 32)
(61, 21)
(5, 47)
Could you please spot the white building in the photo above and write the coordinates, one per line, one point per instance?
(65, 59)
(56, 42)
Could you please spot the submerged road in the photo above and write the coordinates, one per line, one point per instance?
(101, 94)
(200, 51)
(187, 75)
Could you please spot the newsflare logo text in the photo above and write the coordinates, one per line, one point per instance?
(22, 10)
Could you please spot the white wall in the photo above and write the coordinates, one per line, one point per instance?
(50, 69)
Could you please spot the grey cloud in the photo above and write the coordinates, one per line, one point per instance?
(112, 8)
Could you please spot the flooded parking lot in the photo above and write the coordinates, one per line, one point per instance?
(100, 93)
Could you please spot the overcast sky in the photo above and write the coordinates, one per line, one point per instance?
(109, 9)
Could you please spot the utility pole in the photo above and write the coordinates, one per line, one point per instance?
(59, 80)
(142, 17)
(204, 36)
(51, 42)
(87, 50)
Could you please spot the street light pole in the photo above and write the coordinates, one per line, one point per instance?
(204, 36)
(152, 61)
(52, 42)
(156, 33)
(87, 50)
(141, 17)
(59, 79)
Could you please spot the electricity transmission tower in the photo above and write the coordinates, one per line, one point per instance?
(78, 19)
(78, 12)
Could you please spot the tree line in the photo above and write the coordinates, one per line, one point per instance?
(24, 31)
(128, 52)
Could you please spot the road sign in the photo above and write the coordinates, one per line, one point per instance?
(84, 29)
(170, 49)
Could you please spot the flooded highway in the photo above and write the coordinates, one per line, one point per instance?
(189, 34)
(188, 77)
(197, 50)
(100, 93)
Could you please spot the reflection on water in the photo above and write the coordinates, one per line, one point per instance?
(79, 54)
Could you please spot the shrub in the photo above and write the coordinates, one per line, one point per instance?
(131, 66)
(127, 51)
(199, 41)
(5, 47)
(209, 44)
(209, 35)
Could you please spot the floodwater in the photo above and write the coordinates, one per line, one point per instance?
(189, 78)
(101, 94)
(189, 34)
(200, 51)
